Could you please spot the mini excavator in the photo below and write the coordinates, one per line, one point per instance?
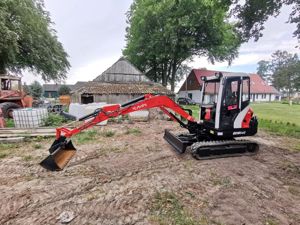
(224, 115)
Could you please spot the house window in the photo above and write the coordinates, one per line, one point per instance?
(190, 95)
(256, 96)
(246, 89)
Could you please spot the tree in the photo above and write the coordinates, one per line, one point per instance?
(286, 73)
(163, 34)
(263, 70)
(26, 89)
(64, 90)
(283, 70)
(29, 42)
(36, 89)
(250, 15)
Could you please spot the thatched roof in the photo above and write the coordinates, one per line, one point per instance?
(100, 88)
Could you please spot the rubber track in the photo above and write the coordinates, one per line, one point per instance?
(231, 143)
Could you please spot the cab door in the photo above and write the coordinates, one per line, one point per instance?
(231, 102)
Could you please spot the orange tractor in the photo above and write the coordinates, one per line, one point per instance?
(12, 96)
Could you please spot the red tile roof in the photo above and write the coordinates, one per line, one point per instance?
(258, 85)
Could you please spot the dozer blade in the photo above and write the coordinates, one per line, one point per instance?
(61, 152)
(179, 142)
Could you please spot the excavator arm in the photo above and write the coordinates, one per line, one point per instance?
(147, 101)
(62, 150)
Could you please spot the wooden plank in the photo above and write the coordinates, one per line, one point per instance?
(22, 131)
(28, 135)
(12, 139)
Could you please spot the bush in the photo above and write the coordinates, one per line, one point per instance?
(9, 123)
(36, 89)
(64, 90)
(54, 120)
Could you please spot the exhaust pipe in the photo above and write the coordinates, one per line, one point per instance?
(61, 152)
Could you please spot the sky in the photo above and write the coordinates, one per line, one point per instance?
(93, 34)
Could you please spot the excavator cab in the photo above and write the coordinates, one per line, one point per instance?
(224, 107)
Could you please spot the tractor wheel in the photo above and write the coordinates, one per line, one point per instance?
(7, 109)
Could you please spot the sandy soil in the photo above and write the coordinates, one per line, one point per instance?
(113, 180)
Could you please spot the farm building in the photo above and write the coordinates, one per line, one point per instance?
(119, 83)
(259, 89)
(51, 90)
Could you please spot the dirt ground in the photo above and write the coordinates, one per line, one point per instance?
(116, 180)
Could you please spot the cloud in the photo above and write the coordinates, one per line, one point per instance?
(91, 70)
(93, 34)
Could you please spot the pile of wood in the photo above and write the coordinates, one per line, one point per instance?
(18, 134)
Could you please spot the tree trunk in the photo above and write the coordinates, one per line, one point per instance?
(173, 76)
(164, 75)
(2, 68)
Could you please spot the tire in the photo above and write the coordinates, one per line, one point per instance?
(7, 108)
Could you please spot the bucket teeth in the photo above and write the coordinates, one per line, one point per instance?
(60, 156)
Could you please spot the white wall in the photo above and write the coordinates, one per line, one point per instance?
(258, 97)
(263, 97)
(195, 95)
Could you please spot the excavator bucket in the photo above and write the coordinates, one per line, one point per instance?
(61, 152)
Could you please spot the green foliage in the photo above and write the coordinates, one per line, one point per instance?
(28, 40)
(250, 15)
(163, 34)
(26, 89)
(54, 120)
(283, 70)
(263, 70)
(9, 123)
(64, 90)
(35, 89)
(168, 210)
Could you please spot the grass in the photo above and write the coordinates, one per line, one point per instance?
(280, 128)
(85, 136)
(134, 131)
(271, 221)
(37, 146)
(7, 149)
(108, 133)
(278, 118)
(166, 209)
(278, 112)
